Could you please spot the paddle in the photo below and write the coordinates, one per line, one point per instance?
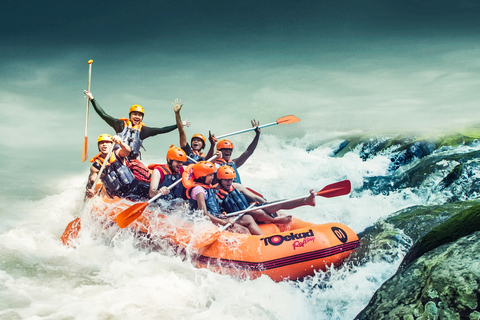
(283, 120)
(72, 229)
(85, 142)
(332, 190)
(130, 214)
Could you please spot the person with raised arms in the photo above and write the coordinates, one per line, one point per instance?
(117, 179)
(132, 131)
(197, 143)
(226, 148)
(164, 175)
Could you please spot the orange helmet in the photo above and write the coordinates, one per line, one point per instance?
(137, 108)
(200, 136)
(175, 153)
(104, 137)
(226, 172)
(224, 144)
(203, 169)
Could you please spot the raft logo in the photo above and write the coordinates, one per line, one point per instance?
(277, 240)
(340, 234)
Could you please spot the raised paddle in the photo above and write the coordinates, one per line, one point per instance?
(72, 229)
(283, 120)
(85, 142)
(130, 214)
(332, 190)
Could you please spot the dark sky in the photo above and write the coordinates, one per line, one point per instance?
(206, 26)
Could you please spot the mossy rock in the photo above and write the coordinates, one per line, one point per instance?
(460, 225)
(442, 284)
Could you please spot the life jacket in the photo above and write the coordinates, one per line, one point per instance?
(116, 177)
(196, 155)
(189, 183)
(168, 179)
(131, 136)
(221, 162)
(210, 200)
(232, 200)
(139, 170)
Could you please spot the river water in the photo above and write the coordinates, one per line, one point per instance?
(425, 85)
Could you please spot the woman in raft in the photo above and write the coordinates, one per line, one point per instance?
(204, 197)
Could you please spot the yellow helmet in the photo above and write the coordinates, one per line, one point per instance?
(104, 137)
(137, 108)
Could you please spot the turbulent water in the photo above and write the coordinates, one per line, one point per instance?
(110, 278)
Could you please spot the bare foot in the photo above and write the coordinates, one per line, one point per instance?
(282, 219)
(311, 199)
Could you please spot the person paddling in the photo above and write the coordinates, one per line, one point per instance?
(233, 197)
(133, 131)
(226, 148)
(202, 196)
(194, 150)
(117, 179)
(165, 175)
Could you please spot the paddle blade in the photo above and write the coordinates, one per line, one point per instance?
(129, 215)
(206, 240)
(71, 232)
(336, 189)
(288, 119)
(85, 150)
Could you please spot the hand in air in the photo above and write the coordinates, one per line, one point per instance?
(177, 105)
(88, 94)
(211, 138)
(255, 124)
(186, 123)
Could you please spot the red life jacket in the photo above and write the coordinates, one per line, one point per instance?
(139, 170)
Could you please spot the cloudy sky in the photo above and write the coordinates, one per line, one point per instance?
(337, 65)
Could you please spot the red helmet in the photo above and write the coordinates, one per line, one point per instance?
(224, 144)
(203, 169)
(226, 172)
(199, 136)
(175, 153)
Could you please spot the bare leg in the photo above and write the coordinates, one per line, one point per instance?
(310, 201)
(262, 216)
(249, 222)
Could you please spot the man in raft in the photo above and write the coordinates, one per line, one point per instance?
(226, 148)
(197, 143)
(233, 197)
(165, 175)
(133, 131)
(117, 179)
(201, 193)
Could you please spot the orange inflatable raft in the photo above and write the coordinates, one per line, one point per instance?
(285, 252)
